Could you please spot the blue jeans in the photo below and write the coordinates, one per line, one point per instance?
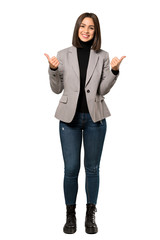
(71, 135)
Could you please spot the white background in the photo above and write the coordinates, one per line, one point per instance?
(31, 164)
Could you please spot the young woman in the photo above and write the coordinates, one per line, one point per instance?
(82, 72)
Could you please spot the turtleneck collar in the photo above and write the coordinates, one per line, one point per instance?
(87, 44)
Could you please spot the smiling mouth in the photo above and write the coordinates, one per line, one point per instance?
(85, 36)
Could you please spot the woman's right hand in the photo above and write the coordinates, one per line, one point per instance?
(53, 61)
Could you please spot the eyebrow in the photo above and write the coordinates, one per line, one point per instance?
(89, 25)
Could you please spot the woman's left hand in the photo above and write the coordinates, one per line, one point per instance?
(116, 62)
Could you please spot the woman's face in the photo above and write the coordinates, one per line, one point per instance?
(86, 29)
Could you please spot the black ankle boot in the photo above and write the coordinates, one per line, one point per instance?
(90, 224)
(70, 225)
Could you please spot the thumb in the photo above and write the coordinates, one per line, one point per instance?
(122, 58)
(47, 56)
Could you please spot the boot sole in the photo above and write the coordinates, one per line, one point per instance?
(91, 230)
(69, 230)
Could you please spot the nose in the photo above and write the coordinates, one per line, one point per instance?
(86, 30)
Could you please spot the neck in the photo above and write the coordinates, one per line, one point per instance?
(87, 44)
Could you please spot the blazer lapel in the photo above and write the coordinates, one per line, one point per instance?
(93, 58)
(74, 59)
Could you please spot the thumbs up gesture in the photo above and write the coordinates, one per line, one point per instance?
(115, 63)
(53, 61)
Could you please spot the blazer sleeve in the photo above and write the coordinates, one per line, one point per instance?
(56, 77)
(108, 79)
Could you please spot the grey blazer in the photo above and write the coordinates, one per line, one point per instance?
(99, 80)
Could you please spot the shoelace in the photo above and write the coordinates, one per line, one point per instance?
(91, 214)
(70, 217)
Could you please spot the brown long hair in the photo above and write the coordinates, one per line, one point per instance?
(97, 34)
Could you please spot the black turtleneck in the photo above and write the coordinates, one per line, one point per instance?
(83, 58)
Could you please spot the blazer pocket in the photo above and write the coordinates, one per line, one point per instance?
(99, 98)
(64, 99)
